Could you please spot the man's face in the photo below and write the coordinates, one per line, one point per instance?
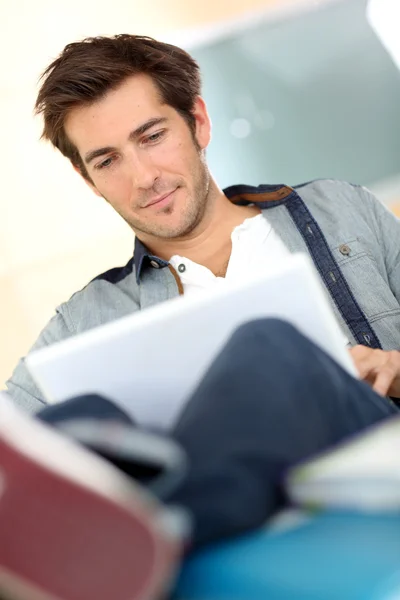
(142, 157)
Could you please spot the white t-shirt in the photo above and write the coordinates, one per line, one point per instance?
(255, 249)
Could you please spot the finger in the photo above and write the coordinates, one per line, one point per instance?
(368, 364)
(360, 350)
(385, 379)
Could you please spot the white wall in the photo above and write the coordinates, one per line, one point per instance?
(54, 234)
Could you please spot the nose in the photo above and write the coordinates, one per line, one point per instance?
(144, 171)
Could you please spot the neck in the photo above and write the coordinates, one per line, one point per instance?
(209, 244)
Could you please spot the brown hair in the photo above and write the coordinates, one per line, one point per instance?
(85, 71)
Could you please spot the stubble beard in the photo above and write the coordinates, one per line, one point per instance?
(192, 211)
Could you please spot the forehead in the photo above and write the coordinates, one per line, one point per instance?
(121, 110)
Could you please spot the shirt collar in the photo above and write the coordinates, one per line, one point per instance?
(265, 196)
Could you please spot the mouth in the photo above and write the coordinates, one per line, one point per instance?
(161, 200)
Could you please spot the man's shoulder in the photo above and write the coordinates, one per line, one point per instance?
(335, 196)
(109, 280)
(330, 189)
(114, 276)
(111, 294)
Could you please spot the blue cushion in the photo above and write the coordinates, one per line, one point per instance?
(331, 556)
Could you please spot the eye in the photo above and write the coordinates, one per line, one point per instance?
(105, 163)
(154, 137)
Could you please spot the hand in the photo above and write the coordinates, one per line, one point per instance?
(379, 368)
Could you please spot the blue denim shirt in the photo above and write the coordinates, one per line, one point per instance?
(352, 238)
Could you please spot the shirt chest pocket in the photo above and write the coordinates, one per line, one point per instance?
(366, 277)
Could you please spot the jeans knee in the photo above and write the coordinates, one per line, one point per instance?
(270, 330)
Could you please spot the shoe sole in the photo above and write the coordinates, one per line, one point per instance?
(71, 526)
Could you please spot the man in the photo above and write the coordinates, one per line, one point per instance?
(127, 112)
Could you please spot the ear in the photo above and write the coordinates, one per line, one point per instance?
(203, 123)
(87, 181)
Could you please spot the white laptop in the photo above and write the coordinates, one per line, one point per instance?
(151, 361)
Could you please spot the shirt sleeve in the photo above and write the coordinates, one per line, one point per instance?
(387, 230)
(21, 387)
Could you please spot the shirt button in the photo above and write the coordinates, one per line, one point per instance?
(154, 264)
(181, 268)
(344, 249)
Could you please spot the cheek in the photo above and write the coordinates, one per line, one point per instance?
(116, 189)
(174, 157)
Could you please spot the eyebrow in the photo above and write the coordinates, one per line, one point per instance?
(90, 156)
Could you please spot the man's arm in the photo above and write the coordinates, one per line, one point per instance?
(387, 230)
(21, 386)
(381, 369)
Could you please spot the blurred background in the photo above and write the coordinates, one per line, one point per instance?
(296, 89)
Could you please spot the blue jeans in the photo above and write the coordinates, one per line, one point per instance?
(271, 399)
